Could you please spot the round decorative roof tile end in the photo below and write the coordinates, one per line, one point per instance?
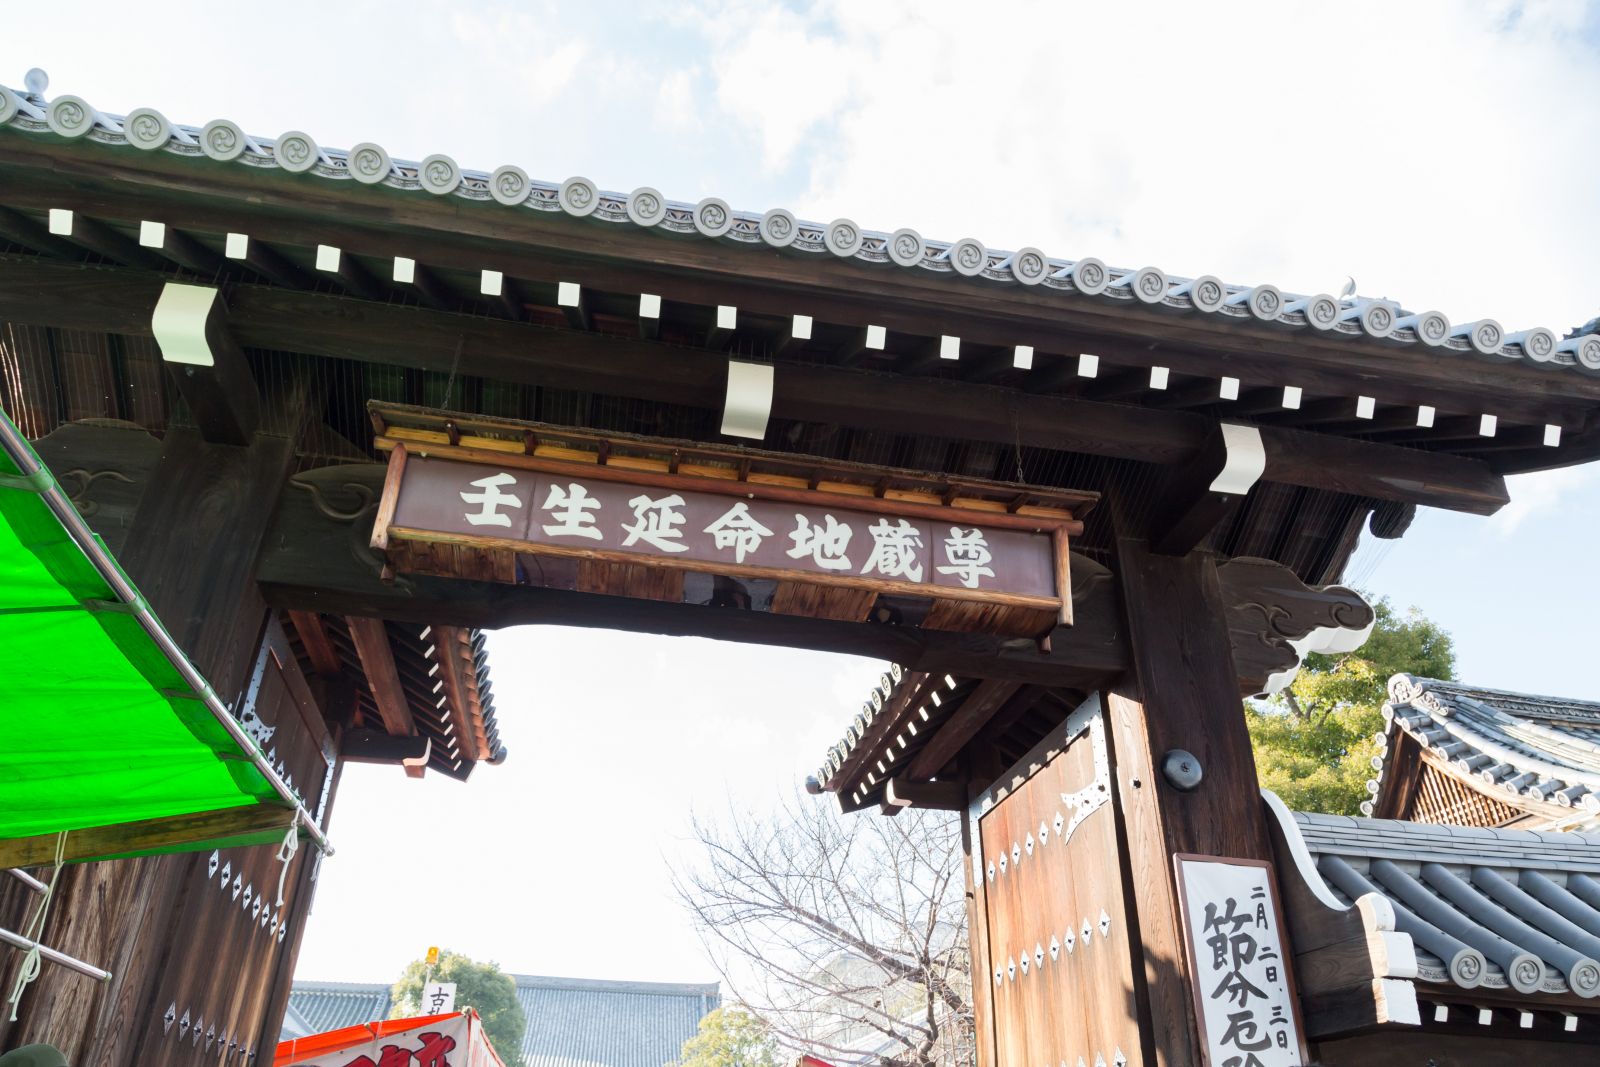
(1149, 285)
(1486, 336)
(147, 128)
(968, 257)
(1586, 350)
(646, 206)
(1265, 302)
(439, 175)
(1090, 276)
(906, 247)
(1467, 968)
(578, 196)
(713, 217)
(1433, 328)
(222, 140)
(1207, 293)
(1029, 266)
(509, 185)
(369, 163)
(1539, 344)
(9, 105)
(296, 152)
(843, 238)
(69, 116)
(1322, 312)
(1377, 319)
(779, 228)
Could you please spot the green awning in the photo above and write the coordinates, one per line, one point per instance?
(101, 734)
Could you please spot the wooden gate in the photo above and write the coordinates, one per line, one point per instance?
(1051, 933)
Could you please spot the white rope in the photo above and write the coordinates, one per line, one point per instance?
(291, 845)
(34, 931)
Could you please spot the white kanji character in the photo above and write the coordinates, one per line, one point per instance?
(826, 545)
(491, 499)
(570, 508)
(738, 530)
(894, 550)
(657, 523)
(969, 556)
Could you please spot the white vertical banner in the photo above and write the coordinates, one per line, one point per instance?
(1243, 982)
(438, 998)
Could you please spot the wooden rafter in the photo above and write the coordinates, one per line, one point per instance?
(377, 661)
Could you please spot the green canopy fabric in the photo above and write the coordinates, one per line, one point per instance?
(98, 727)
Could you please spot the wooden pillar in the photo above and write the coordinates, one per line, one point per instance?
(1182, 693)
(191, 549)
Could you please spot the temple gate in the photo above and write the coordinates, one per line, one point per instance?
(334, 412)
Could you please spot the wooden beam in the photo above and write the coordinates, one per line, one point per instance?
(960, 727)
(375, 746)
(184, 250)
(266, 261)
(102, 240)
(19, 229)
(41, 293)
(206, 363)
(325, 659)
(1208, 489)
(352, 274)
(98, 842)
(371, 638)
(939, 796)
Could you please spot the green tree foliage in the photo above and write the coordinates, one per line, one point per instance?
(1314, 742)
(729, 1037)
(481, 986)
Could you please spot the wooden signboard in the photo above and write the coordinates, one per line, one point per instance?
(1050, 931)
(1245, 1002)
(613, 524)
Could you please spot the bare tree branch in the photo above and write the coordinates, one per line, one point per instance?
(844, 935)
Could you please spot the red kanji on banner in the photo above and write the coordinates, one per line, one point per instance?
(432, 1053)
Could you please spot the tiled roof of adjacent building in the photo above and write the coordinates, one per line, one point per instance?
(1510, 910)
(572, 1022)
(1541, 754)
(323, 1006)
(1378, 321)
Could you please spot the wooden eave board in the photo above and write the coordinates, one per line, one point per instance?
(381, 223)
(423, 426)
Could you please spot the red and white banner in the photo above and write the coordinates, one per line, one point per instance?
(451, 1040)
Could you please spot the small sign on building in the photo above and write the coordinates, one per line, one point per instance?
(1244, 998)
(438, 998)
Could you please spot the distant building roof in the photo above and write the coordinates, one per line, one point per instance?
(323, 1006)
(572, 1022)
(1484, 757)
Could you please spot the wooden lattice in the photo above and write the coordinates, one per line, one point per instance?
(1441, 797)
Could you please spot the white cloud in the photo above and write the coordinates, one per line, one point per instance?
(1441, 153)
(1542, 495)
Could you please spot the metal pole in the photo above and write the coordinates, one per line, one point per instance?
(88, 970)
(22, 454)
(27, 879)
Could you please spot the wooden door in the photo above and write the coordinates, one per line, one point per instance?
(1049, 890)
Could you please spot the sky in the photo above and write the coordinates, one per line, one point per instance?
(1441, 154)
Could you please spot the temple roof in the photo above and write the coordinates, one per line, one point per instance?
(1540, 755)
(1510, 910)
(572, 1022)
(1370, 321)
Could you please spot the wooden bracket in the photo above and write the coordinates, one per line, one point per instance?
(1209, 488)
(190, 324)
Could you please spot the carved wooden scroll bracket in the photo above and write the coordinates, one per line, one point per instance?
(1275, 620)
